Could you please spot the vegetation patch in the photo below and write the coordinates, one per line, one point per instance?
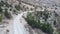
(33, 19)
(45, 27)
(5, 13)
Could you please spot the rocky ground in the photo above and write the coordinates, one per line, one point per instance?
(52, 5)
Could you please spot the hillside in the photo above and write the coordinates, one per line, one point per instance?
(30, 16)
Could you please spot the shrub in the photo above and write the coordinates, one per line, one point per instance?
(7, 15)
(10, 9)
(1, 10)
(55, 8)
(0, 18)
(1, 3)
(59, 32)
(47, 28)
(56, 15)
(31, 9)
(7, 30)
(54, 22)
(17, 7)
(15, 12)
(45, 14)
